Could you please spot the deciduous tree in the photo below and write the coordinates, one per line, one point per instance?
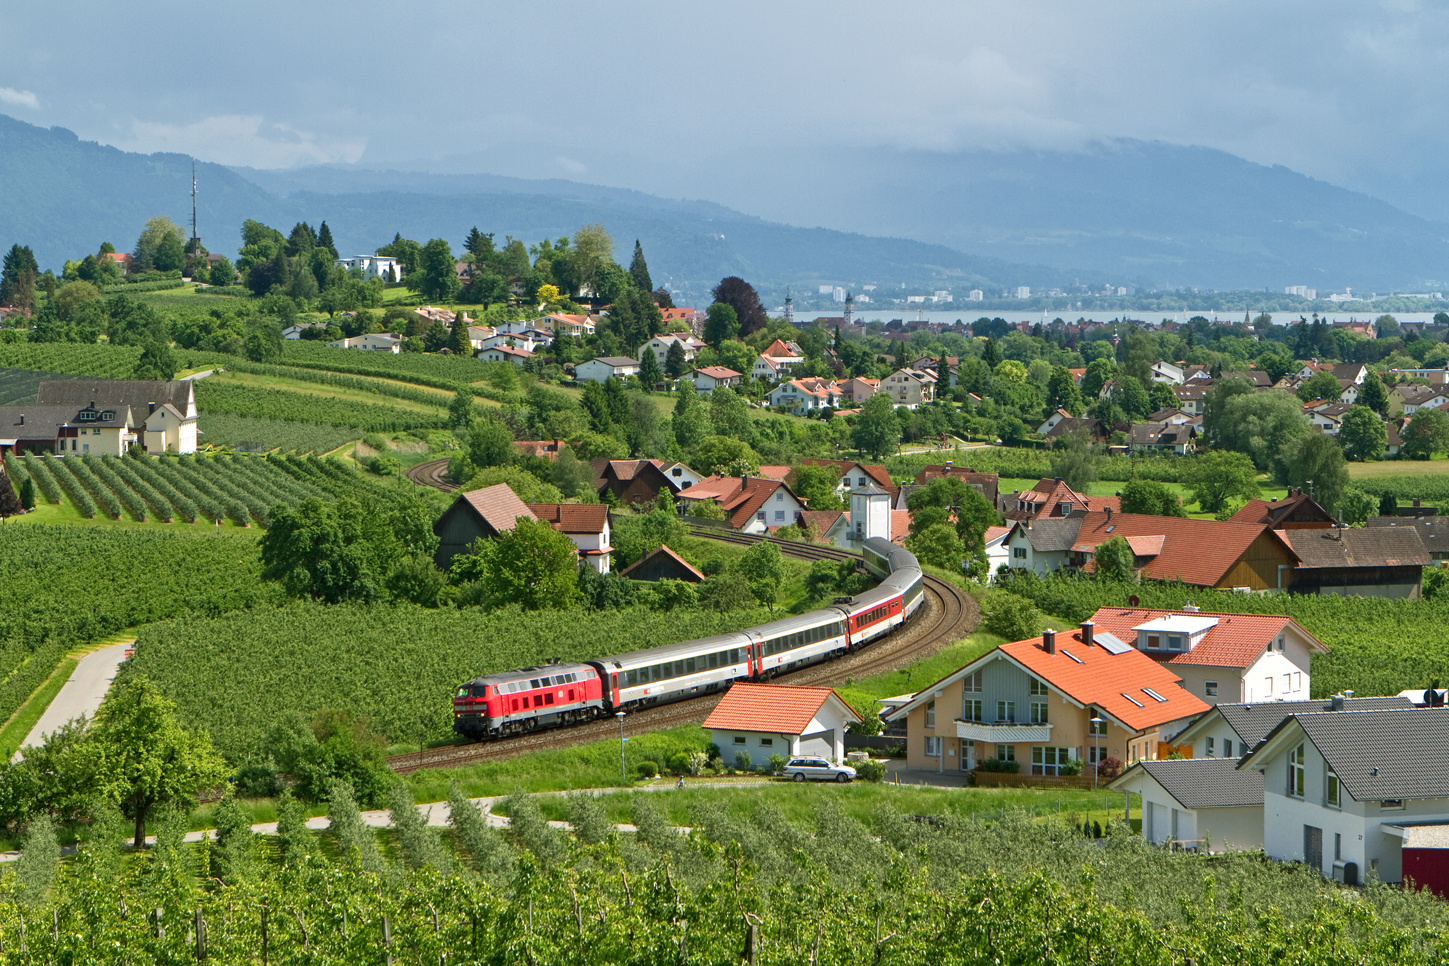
(1217, 477)
(721, 323)
(1362, 434)
(1114, 560)
(1426, 433)
(142, 757)
(742, 297)
(877, 431)
(1149, 496)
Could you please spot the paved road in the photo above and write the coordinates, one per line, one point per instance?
(82, 694)
(201, 375)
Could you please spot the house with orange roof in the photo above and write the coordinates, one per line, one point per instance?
(751, 504)
(1221, 658)
(709, 378)
(856, 390)
(1051, 705)
(853, 475)
(805, 395)
(764, 720)
(586, 524)
(777, 360)
(504, 353)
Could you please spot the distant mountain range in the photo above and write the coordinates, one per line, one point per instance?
(1132, 213)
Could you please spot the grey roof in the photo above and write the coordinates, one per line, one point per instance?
(1206, 782)
(1052, 534)
(1433, 531)
(115, 393)
(1379, 755)
(1375, 547)
(870, 489)
(1253, 721)
(616, 361)
(44, 422)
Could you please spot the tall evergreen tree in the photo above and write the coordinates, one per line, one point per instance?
(458, 343)
(649, 371)
(10, 504)
(675, 363)
(639, 270)
(17, 277)
(324, 240)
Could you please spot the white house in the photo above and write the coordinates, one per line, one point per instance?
(1201, 803)
(600, 369)
(709, 378)
(373, 342)
(504, 353)
(909, 387)
(764, 720)
(1248, 658)
(1050, 423)
(1355, 794)
(1042, 545)
(163, 415)
(659, 345)
(524, 342)
(373, 266)
(1163, 371)
(586, 524)
(804, 395)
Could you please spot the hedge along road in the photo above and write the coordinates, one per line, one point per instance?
(948, 615)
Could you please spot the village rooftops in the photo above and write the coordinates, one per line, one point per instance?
(1358, 547)
(1252, 721)
(1203, 782)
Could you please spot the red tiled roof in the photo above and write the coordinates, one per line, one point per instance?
(1099, 678)
(573, 517)
(1236, 641)
(1197, 552)
(539, 447)
(1275, 512)
(498, 505)
(900, 525)
(774, 472)
(774, 708)
(740, 498)
(718, 372)
(875, 471)
(822, 520)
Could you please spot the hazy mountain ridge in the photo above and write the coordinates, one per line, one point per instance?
(67, 196)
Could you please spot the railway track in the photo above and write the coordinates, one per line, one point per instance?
(949, 614)
(432, 473)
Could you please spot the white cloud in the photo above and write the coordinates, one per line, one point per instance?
(9, 95)
(570, 166)
(242, 140)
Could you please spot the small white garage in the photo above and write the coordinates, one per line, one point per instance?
(777, 719)
(1201, 803)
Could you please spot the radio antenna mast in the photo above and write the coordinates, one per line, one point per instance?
(194, 236)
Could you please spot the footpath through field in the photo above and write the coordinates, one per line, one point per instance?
(82, 694)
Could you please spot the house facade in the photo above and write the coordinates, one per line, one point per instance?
(909, 387)
(372, 342)
(162, 415)
(709, 378)
(586, 524)
(751, 504)
(604, 367)
(1050, 704)
(373, 266)
(804, 395)
(660, 344)
(504, 353)
(1206, 804)
(1351, 795)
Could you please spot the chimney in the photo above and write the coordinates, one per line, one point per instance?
(1109, 513)
(22, 419)
(1348, 694)
(1088, 631)
(1336, 702)
(1049, 641)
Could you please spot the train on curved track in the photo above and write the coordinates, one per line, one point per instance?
(554, 695)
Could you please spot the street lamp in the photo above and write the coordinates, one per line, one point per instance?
(623, 774)
(1096, 721)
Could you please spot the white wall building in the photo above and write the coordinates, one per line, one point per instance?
(763, 720)
(373, 266)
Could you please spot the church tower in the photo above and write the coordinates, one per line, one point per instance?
(789, 309)
(849, 309)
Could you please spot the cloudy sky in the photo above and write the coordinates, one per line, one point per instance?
(681, 98)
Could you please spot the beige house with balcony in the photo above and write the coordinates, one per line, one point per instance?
(1049, 704)
(909, 387)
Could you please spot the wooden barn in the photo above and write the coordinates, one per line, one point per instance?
(662, 564)
(479, 514)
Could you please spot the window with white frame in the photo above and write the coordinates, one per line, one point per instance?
(1006, 752)
(1038, 686)
(1227, 748)
(739, 739)
(1038, 712)
(1296, 771)
(1096, 724)
(1006, 711)
(1019, 553)
(971, 709)
(1332, 790)
(1297, 680)
(1210, 748)
(1096, 754)
(1048, 761)
(1210, 688)
(1268, 685)
(933, 746)
(931, 714)
(971, 683)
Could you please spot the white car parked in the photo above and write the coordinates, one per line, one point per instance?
(800, 769)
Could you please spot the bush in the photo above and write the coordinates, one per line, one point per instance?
(870, 724)
(257, 781)
(870, 770)
(1072, 767)
(376, 442)
(743, 761)
(647, 769)
(1109, 768)
(679, 763)
(1011, 617)
(997, 765)
(777, 764)
(383, 465)
(697, 761)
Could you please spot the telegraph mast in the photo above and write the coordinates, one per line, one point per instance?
(194, 259)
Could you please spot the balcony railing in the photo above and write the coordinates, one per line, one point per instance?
(1003, 732)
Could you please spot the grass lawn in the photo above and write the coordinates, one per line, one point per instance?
(1385, 468)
